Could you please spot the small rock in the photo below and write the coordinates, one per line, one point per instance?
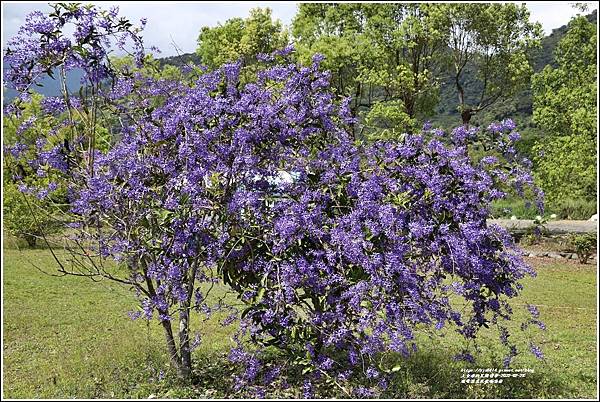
(553, 216)
(151, 396)
(594, 218)
(513, 218)
(554, 255)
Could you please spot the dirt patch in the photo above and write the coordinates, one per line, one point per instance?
(543, 262)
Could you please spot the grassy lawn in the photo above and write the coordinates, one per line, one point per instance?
(69, 337)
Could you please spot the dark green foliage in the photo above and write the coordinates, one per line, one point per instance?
(180, 60)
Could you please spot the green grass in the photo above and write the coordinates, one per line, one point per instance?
(566, 296)
(564, 209)
(69, 337)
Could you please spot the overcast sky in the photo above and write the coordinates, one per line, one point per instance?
(180, 23)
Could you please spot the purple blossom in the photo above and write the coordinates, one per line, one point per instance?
(17, 149)
(537, 352)
(363, 392)
(508, 124)
(514, 136)
(533, 310)
(52, 105)
(372, 372)
(307, 390)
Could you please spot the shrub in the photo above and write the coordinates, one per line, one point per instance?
(574, 208)
(584, 245)
(361, 249)
(26, 216)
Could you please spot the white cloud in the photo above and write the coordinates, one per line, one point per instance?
(555, 14)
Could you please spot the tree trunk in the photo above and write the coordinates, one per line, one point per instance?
(172, 347)
(185, 367)
(174, 357)
(466, 116)
(465, 112)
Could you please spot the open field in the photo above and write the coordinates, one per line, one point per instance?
(70, 337)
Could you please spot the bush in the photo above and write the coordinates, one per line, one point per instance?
(584, 245)
(573, 208)
(25, 216)
(357, 250)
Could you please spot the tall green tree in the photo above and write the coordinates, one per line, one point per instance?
(382, 55)
(564, 102)
(241, 39)
(407, 41)
(488, 46)
(337, 32)
(392, 57)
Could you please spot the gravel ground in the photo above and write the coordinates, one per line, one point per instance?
(554, 226)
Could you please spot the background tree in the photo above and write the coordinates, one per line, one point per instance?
(565, 109)
(390, 58)
(241, 39)
(337, 32)
(488, 43)
(27, 215)
(407, 41)
(381, 55)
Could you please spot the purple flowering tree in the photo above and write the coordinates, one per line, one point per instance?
(165, 200)
(341, 251)
(371, 243)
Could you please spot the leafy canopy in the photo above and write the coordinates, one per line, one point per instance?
(564, 101)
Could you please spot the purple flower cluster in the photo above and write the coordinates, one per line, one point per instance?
(341, 251)
(43, 47)
(364, 244)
